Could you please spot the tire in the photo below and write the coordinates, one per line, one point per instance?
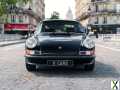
(30, 67)
(90, 67)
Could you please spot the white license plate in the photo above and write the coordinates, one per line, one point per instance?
(60, 62)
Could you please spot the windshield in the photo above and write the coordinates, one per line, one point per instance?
(62, 27)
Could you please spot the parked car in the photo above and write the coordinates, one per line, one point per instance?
(60, 43)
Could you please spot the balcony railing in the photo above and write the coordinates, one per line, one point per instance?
(104, 2)
(105, 11)
(99, 1)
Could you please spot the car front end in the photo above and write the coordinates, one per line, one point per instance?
(60, 50)
(60, 54)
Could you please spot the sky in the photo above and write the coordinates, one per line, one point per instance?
(60, 6)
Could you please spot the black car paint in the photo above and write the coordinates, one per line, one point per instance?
(49, 45)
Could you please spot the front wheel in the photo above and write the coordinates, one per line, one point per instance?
(30, 67)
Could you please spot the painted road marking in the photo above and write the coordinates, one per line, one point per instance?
(113, 49)
(11, 47)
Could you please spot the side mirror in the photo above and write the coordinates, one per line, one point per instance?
(91, 33)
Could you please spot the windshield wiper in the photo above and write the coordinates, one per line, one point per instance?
(60, 33)
(74, 33)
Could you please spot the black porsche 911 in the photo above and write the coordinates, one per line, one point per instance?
(60, 43)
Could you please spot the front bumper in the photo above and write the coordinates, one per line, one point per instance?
(77, 60)
(59, 57)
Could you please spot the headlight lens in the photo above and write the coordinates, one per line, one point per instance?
(88, 43)
(31, 42)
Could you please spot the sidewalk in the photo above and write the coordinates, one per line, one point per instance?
(6, 43)
(10, 37)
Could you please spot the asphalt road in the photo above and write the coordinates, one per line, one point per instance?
(14, 76)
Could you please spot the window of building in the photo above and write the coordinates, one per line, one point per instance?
(118, 19)
(115, 19)
(20, 18)
(100, 7)
(13, 18)
(104, 7)
(118, 7)
(92, 0)
(98, 0)
(8, 19)
(96, 6)
(96, 20)
(104, 20)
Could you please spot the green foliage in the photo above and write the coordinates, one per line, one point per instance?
(5, 3)
(55, 15)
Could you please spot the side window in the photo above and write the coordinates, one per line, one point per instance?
(38, 29)
(81, 29)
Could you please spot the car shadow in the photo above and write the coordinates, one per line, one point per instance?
(101, 70)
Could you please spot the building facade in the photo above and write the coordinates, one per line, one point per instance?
(81, 9)
(16, 22)
(101, 15)
(38, 6)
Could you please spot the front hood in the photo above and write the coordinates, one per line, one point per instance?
(59, 38)
(55, 44)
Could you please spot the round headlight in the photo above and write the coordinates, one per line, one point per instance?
(88, 43)
(31, 42)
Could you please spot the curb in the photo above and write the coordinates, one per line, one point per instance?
(12, 43)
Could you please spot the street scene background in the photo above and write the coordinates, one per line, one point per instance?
(18, 21)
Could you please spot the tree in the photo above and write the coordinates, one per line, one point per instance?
(55, 15)
(5, 4)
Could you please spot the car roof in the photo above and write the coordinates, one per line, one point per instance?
(59, 20)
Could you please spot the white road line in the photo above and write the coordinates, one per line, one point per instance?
(11, 47)
(113, 49)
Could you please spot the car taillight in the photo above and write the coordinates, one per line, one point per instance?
(92, 52)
